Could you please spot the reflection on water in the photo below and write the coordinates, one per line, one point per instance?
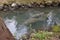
(11, 24)
(16, 30)
(21, 30)
(50, 19)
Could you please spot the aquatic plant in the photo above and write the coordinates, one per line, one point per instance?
(40, 36)
(56, 28)
(43, 34)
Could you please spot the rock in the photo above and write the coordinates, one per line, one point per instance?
(42, 6)
(13, 5)
(55, 4)
(48, 3)
(24, 6)
(29, 6)
(1, 7)
(5, 7)
(34, 4)
(4, 32)
(37, 15)
(31, 20)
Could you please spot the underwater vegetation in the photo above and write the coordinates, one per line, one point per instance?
(42, 35)
(56, 28)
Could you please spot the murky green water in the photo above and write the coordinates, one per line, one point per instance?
(19, 21)
(22, 15)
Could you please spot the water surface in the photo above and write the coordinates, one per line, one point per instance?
(18, 21)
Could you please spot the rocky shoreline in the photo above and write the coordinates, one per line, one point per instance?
(13, 5)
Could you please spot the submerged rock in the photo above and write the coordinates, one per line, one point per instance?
(34, 18)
